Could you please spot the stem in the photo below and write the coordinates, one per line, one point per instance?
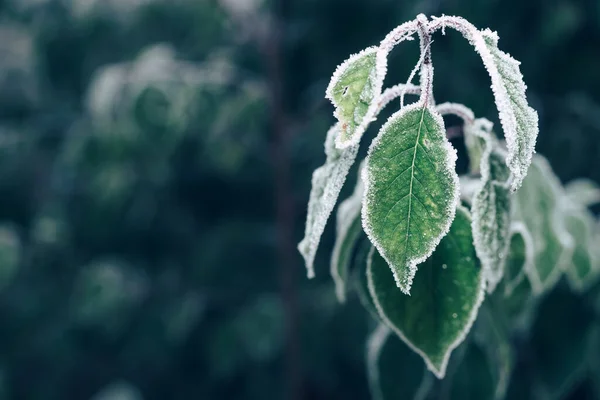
(461, 111)
(426, 66)
(284, 203)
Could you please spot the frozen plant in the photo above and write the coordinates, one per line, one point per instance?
(437, 245)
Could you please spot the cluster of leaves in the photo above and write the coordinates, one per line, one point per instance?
(437, 258)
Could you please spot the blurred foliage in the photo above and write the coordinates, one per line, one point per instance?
(137, 228)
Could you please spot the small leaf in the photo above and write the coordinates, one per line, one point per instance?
(580, 224)
(444, 300)
(391, 369)
(519, 120)
(354, 90)
(348, 232)
(519, 261)
(491, 205)
(327, 181)
(411, 190)
(584, 192)
(536, 205)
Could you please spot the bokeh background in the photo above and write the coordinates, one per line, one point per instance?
(155, 164)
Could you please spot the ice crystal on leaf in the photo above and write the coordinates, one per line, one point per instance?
(411, 189)
(327, 181)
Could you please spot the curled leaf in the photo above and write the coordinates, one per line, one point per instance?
(354, 90)
(327, 181)
(491, 204)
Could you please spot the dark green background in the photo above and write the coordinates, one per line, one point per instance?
(150, 243)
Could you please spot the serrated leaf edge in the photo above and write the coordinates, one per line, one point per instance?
(451, 157)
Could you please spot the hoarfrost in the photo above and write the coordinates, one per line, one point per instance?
(327, 181)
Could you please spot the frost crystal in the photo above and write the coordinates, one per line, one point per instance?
(327, 181)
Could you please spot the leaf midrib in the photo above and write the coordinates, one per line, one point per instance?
(410, 189)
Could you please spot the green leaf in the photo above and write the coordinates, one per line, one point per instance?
(411, 190)
(519, 120)
(348, 232)
(354, 90)
(519, 261)
(536, 204)
(580, 224)
(392, 369)
(444, 300)
(584, 192)
(327, 181)
(491, 206)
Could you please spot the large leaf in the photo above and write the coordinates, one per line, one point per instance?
(536, 204)
(444, 300)
(348, 232)
(519, 120)
(327, 181)
(580, 224)
(411, 190)
(491, 204)
(392, 369)
(584, 192)
(354, 90)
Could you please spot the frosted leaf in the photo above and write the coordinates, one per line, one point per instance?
(520, 258)
(386, 357)
(579, 222)
(519, 121)
(491, 204)
(348, 232)
(354, 90)
(443, 304)
(411, 189)
(583, 191)
(327, 181)
(536, 204)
